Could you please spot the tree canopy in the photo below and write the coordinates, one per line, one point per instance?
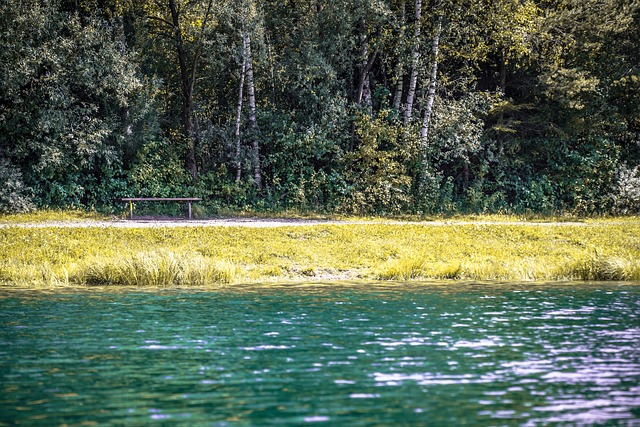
(362, 106)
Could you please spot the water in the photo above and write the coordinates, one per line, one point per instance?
(437, 355)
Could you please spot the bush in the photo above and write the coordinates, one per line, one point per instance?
(301, 162)
(377, 180)
(627, 198)
(14, 195)
(158, 172)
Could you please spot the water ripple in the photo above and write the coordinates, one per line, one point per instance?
(358, 356)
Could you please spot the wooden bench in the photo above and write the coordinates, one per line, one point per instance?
(187, 200)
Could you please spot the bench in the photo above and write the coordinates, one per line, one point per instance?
(187, 200)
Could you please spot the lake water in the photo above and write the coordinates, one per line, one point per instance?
(348, 355)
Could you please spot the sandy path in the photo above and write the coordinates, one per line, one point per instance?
(263, 223)
(155, 223)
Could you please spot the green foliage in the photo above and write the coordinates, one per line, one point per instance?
(536, 105)
(302, 163)
(538, 196)
(376, 178)
(63, 102)
(158, 172)
(545, 176)
(14, 197)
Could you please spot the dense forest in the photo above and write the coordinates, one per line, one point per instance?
(358, 106)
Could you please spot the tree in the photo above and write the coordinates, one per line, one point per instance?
(253, 123)
(399, 64)
(415, 58)
(592, 63)
(63, 102)
(432, 84)
(237, 134)
(523, 104)
(184, 24)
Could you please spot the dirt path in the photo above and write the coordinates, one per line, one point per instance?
(171, 223)
(264, 223)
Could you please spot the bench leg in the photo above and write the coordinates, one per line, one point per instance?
(189, 210)
(130, 210)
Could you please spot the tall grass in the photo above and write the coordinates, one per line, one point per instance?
(418, 268)
(199, 256)
(598, 267)
(156, 268)
(584, 268)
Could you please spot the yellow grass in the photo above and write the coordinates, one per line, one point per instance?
(51, 215)
(199, 256)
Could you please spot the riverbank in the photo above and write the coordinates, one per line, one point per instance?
(95, 251)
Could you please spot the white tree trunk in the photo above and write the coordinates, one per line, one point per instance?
(415, 59)
(397, 97)
(253, 123)
(239, 112)
(430, 100)
(432, 85)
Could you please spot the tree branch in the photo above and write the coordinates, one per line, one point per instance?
(162, 20)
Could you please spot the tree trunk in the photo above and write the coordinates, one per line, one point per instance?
(187, 81)
(432, 86)
(503, 75)
(424, 132)
(187, 92)
(397, 97)
(364, 88)
(503, 89)
(415, 58)
(253, 123)
(465, 172)
(239, 112)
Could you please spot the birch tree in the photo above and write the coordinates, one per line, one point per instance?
(253, 122)
(433, 77)
(399, 70)
(238, 140)
(415, 63)
(246, 17)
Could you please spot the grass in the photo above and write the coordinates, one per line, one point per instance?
(201, 256)
(51, 215)
(155, 268)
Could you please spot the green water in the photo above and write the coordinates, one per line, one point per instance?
(367, 355)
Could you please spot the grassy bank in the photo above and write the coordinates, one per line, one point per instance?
(197, 256)
(53, 215)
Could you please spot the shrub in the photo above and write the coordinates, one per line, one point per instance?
(627, 198)
(377, 180)
(14, 195)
